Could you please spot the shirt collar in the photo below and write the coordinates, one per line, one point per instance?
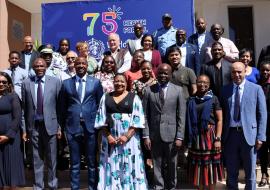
(241, 86)
(83, 78)
(183, 45)
(163, 85)
(42, 79)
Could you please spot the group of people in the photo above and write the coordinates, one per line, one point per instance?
(135, 109)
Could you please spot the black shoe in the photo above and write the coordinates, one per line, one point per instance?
(264, 181)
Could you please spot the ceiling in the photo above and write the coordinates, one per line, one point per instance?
(34, 6)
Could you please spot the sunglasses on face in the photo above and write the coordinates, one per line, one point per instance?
(3, 81)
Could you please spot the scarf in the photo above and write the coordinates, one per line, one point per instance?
(192, 116)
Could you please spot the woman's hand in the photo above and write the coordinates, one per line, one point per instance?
(111, 140)
(217, 145)
(3, 139)
(122, 139)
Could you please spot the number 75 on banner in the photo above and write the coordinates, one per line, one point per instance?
(108, 18)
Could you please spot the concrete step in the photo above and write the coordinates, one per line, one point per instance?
(64, 180)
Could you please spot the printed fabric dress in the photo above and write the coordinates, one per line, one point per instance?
(204, 162)
(121, 167)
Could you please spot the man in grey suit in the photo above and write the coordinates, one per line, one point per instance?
(244, 128)
(165, 108)
(39, 99)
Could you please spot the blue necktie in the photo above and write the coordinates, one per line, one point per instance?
(236, 114)
(79, 90)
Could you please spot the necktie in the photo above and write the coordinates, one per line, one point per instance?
(161, 96)
(79, 90)
(236, 114)
(13, 75)
(39, 98)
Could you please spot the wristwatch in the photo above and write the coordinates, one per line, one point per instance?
(217, 138)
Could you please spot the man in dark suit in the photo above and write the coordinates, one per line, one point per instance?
(39, 100)
(201, 37)
(165, 107)
(80, 96)
(218, 69)
(244, 128)
(190, 56)
(28, 55)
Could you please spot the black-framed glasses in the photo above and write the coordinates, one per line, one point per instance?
(3, 81)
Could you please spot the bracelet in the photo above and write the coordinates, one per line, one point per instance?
(217, 139)
(127, 136)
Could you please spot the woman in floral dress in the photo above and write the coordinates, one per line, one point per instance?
(120, 114)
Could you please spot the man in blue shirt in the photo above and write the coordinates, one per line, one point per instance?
(164, 37)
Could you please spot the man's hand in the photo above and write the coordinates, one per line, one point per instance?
(147, 143)
(178, 143)
(3, 139)
(258, 144)
(24, 137)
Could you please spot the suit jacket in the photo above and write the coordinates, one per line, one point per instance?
(192, 57)
(168, 122)
(210, 69)
(52, 87)
(252, 109)
(193, 39)
(34, 55)
(71, 106)
(131, 44)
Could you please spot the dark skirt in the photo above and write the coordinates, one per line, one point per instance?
(204, 162)
(11, 163)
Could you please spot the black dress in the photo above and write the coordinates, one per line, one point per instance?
(11, 159)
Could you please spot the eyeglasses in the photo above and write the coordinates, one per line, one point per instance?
(109, 62)
(71, 58)
(3, 81)
(202, 82)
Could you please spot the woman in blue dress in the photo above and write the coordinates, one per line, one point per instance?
(120, 115)
(252, 73)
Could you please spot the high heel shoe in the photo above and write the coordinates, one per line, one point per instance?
(264, 181)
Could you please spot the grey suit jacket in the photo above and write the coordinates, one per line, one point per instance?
(51, 90)
(167, 123)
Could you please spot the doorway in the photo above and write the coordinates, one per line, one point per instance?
(241, 27)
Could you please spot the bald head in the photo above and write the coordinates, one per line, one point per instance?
(164, 73)
(200, 25)
(138, 30)
(238, 72)
(28, 44)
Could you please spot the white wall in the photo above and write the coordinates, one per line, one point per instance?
(216, 11)
(36, 23)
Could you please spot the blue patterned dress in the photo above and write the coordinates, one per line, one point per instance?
(121, 167)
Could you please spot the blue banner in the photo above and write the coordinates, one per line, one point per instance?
(92, 21)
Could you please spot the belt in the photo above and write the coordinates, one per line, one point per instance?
(237, 128)
(82, 120)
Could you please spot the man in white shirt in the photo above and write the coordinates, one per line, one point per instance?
(135, 43)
